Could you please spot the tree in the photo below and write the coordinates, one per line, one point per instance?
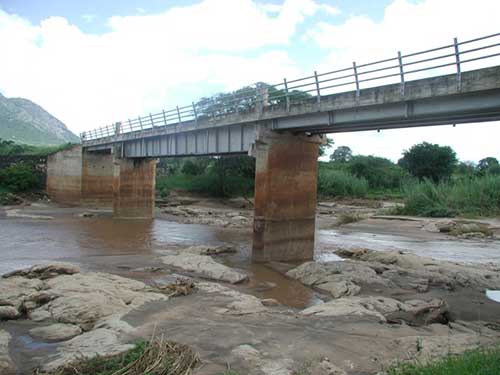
(342, 154)
(466, 168)
(426, 160)
(322, 148)
(488, 165)
(381, 173)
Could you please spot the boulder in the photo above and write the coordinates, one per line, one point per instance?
(14, 290)
(204, 266)
(6, 365)
(9, 312)
(339, 278)
(56, 332)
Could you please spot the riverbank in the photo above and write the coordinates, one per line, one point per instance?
(363, 309)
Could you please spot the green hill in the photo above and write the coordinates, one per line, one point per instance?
(23, 121)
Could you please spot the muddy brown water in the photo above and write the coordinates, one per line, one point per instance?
(123, 247)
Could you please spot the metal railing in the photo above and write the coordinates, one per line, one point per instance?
(398, 69)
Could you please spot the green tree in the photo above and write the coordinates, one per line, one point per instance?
(432, 161)
(488, 165)
(342, 154)
(381, 173)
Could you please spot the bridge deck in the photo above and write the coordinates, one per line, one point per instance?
(429, 101)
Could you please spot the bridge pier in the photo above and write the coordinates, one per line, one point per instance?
(285, 196)
(97, 178)
(134, 186)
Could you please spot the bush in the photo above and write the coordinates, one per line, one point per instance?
(380, 173)
(475, 362)
(20, 177)
(339, 183)
(478, 196)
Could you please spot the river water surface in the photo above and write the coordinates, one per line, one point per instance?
(119, 246)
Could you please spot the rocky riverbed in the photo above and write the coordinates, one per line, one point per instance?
(355, 310)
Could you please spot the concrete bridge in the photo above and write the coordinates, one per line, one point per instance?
(282, 126)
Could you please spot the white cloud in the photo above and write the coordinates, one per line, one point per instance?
(410, 27)
(145, 62)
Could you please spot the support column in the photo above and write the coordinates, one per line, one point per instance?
(97, 178)
(134, 186)
(285, 196)
(64, 175)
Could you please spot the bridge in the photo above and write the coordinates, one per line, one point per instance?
(282, 126)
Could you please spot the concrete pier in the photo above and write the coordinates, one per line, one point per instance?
(285, 196)
(64, 176)
(97, 178)
(134, 185)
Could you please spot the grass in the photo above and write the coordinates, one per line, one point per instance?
(157, 357)
(475, 362)
(341, 184)
(479, 196)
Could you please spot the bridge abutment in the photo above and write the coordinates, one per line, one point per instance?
(134, 186)
(285, 196)
(64, 175)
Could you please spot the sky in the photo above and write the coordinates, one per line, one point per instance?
(96, 62)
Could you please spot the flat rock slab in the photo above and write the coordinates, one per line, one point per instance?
(56, 332)
(204, 266)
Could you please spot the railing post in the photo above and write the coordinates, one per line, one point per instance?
(164, 117)
(457, 59)
(178, 114)
(401, 72)
(259, 100)
(195, 114)
(318, 94)
(151, 118)
(287, 98)
(118, 128)
(356, 78)
(140, 122)
(130, 125)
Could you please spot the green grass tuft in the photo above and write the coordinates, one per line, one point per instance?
(475, 362)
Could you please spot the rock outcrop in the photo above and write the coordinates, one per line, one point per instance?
(204, 266)
(70, 302)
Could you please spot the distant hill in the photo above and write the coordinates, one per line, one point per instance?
(23, 121)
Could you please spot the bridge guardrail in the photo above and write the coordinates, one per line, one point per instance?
(401, 68)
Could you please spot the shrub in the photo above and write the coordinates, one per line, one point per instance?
(478, 196)
(340, 183)
(20, 177)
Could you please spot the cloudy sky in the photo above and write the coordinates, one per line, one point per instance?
(95, 62)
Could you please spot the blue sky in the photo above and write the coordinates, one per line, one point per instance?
(95, 62)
